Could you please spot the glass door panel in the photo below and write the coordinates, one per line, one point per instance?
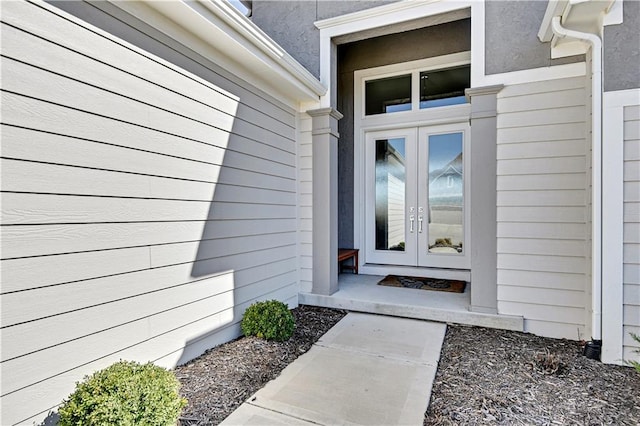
(390, 195)
(443, 187)
(416, 187)
(446, 193)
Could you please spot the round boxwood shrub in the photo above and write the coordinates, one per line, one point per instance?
(126, 393)
(270, 320)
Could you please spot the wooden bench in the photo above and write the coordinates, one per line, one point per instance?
(344, 254)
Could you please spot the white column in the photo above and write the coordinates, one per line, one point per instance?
(483, 199)
(325, 200)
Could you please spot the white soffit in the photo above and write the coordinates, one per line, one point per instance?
(219, 32)
(587, 16)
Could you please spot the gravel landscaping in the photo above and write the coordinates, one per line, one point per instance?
(485, 376)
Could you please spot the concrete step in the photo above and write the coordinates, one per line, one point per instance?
(360, 293)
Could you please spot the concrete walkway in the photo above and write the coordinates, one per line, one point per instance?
(366, 370)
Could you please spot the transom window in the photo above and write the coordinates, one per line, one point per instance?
(391, 94)
(430, 86)
(444, 87)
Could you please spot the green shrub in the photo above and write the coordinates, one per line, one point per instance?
(125, 394)
(270, 320)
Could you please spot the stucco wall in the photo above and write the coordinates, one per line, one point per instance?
(395, 48)
(621, 52)
(511, 37)
(511, 31)
(290, 24)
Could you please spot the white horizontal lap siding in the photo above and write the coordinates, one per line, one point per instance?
(543, 232)
(631, 238)
(143, 208)
(305, 202)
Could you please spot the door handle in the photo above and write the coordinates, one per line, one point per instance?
(420, 224)
(412, 218)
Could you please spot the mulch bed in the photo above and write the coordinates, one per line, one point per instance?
(488, 376)
(485, 376)
(220, 380)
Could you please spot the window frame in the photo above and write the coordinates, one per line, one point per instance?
(445, 116)
(414, 68)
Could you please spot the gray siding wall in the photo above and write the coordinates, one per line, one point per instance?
(412, 45)
(631, 239)
(305, 201)
(543, 206)
(621, 52)
(143, 207)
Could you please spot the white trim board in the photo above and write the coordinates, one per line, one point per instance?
(612, 221)
(404, 11)
(376, 17)
(416, 118)
(578, 69)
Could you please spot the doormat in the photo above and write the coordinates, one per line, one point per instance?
(420, 283)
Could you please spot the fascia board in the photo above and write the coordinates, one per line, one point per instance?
(578, 15)
(259, 40)
(614, 16)
(554, 8)
(209, 27)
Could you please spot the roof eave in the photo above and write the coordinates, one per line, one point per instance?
(579, 15)
(231, 37)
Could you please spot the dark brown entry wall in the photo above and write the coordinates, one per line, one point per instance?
(421, 43)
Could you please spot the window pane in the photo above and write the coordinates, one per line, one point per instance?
(390, 193)
(446, 216)
(444, 87)
(390, 94)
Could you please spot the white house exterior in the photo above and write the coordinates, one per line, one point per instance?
(166, 164)
(553, 92)
(149, 193)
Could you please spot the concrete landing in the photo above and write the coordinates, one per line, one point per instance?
(367, 369)
(361, 293)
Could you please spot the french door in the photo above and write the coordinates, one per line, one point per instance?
(416, 188)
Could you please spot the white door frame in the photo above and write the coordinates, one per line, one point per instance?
(409, 254)
(457, 115)
(416, 231)
(433, 260)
